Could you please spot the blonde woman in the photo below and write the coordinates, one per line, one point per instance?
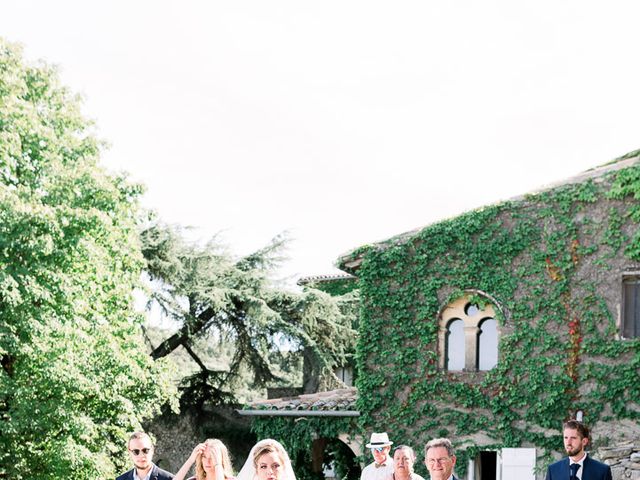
(268, 460)
(212, 462)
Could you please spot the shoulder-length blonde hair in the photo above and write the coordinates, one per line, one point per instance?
(227, 467)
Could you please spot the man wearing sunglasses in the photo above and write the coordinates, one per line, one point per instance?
(382, 467)
(140, 449)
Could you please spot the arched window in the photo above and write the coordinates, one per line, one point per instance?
(487, 344)
(468, 335)
(455, 345)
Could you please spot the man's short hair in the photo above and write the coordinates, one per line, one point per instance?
(139, 436)
(408, 449)
(582, 429)
(439, 442)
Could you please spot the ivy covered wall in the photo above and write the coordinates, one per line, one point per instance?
(554, 262)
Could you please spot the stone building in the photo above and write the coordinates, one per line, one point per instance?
(493, 327)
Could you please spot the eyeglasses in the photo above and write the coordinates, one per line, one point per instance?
(377, 449)
(439, 461)
(136, 451)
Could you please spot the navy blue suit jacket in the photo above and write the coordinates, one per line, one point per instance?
(591, 470)
(156, 474)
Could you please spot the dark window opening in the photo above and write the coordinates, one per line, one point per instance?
(486, 465)
(631, 306)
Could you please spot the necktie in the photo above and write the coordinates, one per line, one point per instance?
(574, 467)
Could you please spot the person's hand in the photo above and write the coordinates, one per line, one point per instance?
(186, 467)
(198, 450)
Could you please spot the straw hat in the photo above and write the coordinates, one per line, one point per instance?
(379, 440)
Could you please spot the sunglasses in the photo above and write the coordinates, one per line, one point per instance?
(136, 451)
(377, 449)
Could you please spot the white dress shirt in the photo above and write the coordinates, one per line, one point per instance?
(581, 463)
(371, 472)
(147, 476)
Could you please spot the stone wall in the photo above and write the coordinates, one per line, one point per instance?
(624, 460)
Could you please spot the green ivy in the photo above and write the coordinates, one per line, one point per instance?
(541, 259)
(297, 436)
(527, 256)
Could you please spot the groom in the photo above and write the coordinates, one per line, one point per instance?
(578, 465)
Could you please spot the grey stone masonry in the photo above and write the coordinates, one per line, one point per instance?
(624, 460)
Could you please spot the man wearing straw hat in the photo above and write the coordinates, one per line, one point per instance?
(382, 466)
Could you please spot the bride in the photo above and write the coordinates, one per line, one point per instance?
(268, 460)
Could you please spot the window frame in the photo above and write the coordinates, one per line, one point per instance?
(629, 332)
(450, 311)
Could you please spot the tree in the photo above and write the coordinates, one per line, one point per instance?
(203, 288)
(75, 377)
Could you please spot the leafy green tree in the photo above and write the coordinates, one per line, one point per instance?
(75, 375)
(204, 289)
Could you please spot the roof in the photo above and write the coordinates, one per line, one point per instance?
(332, 403)
(351, 260)
(324, 278)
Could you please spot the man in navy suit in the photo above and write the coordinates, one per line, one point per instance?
(578, 465)
(140, 449)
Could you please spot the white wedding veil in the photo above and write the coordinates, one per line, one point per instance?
(248, 471)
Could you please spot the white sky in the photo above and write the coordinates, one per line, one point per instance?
(343, 122)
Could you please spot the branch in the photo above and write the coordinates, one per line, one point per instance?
(145, 334)
(195, 357)
(181, 336)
